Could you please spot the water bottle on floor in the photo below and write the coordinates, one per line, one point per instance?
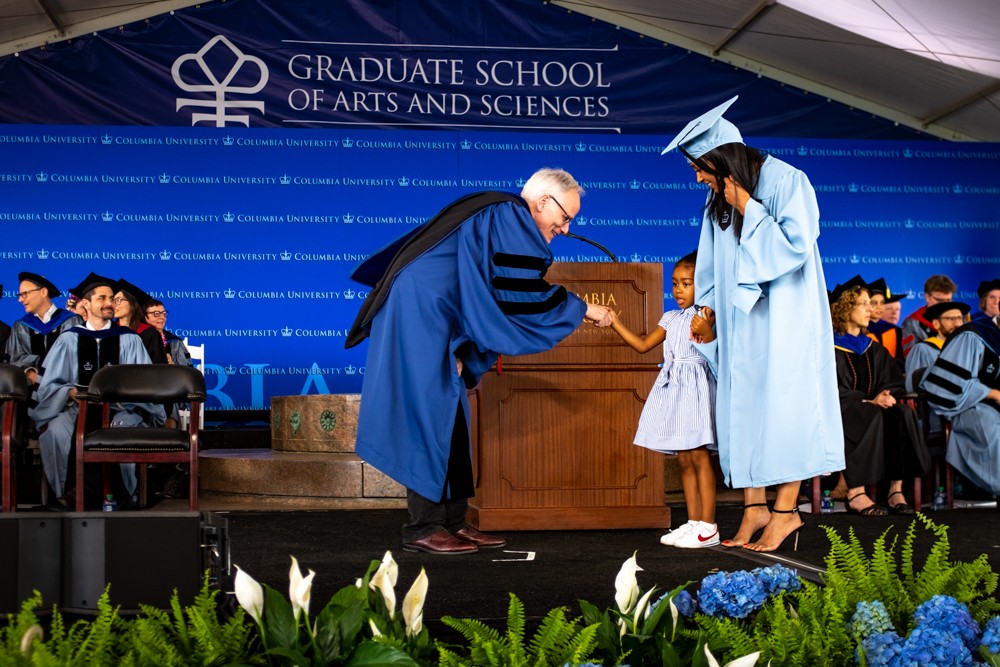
(109, 504)
(826, 503)
(940, 499)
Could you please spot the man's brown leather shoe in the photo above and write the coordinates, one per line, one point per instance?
(481, 540)
(441, 542)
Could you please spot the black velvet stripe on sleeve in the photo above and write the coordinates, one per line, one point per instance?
(520, 284)
(946, 403)
(519, 261)
(946, 365)
(533, 307)
(948, 386)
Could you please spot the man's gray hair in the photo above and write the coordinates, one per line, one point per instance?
(549, 181)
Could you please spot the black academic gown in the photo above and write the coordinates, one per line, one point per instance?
(879, 443)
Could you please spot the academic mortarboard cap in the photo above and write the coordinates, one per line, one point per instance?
(41, 281)
(897, 296)
(90, 282)
(939, 309)
(140, 296)
(708, 131)
(987, 286)
(840, 289)
(878, 287)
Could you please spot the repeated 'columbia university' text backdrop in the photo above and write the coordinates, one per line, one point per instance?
(249, 236)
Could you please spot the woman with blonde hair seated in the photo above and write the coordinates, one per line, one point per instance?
(881, 437)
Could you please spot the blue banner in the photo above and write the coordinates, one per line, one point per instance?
(249, 235)
(520, 65)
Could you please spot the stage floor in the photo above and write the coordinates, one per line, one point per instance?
(547, 569)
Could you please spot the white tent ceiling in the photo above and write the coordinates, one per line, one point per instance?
(929, 64)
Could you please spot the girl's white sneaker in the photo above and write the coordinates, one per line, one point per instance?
(670, 539)
(704, 535)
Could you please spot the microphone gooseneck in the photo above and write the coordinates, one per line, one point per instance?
(597, 245)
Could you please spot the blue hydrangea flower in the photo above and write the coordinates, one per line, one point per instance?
(685, 604)
(870, 618)
(943, 612)
(777, 578)
(991, 635)
(928, 645)
(882, 649)
(735, 594)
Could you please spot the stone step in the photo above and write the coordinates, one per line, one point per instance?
(333, 479)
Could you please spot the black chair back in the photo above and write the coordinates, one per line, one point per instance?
(147, 383)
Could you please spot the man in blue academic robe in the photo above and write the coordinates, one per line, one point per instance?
(446, 300)
(34, 334)
(964, 385)
(71, 362)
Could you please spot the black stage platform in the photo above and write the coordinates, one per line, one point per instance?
(548, 569)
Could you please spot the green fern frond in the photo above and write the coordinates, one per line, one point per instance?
(515, 620)
(472, 629)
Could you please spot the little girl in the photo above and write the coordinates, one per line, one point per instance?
(679, 415)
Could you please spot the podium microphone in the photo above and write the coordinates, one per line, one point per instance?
(597, 245)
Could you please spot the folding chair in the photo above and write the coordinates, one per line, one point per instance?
(140, 383)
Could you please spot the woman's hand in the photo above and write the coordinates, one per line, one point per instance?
(736, 195)
(703, 326)
(884, 400)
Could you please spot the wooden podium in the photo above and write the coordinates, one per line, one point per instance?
(552, 432)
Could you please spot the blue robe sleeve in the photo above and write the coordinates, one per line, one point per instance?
(951, 383)
(775, 243)
(921, 358)
(704, 270)
(506, 305)
(60, 375)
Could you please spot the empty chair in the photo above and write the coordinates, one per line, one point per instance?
(140, 383)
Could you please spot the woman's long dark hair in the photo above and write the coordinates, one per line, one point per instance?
(736, 160)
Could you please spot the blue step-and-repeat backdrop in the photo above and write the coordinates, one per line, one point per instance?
(238, 159)
(249, 236)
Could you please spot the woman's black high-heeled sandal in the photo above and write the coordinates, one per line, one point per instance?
(795, 545)
(899, 508)
(730, 544)
(871, 510)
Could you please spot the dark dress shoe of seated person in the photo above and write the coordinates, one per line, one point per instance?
(441, 542)
(481, 540)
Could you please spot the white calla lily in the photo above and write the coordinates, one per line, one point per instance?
(249, 594)
(32, 633)
(384, 581)
(413, 604)
(674, 613)
(375, 631)
(746, 661)
(640, 607)
(299, 589)
(626, 586)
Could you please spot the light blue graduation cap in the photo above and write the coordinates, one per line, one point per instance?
(708, 131)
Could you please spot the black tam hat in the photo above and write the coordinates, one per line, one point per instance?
(939, 309)
(840, 289)
(987, 286)
(40, 281)
(140, 296)
(91, 282)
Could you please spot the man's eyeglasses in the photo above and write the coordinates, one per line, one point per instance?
(25, 293)
(157, 313)
(567, 218)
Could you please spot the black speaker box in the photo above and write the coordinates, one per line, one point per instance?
(144, 556)
(30, 559)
